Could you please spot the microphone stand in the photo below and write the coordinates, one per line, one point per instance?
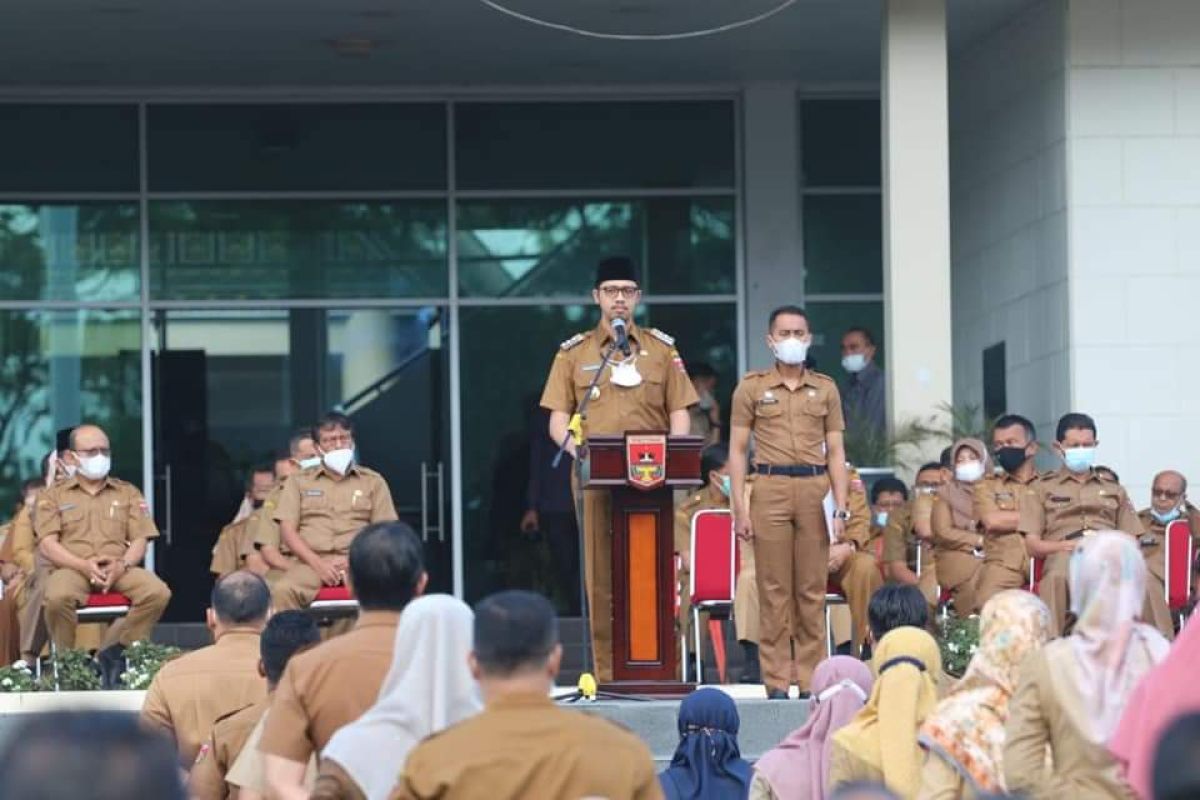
(580, 455)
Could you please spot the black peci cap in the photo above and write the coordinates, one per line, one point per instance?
(616, 268)
(62, 440)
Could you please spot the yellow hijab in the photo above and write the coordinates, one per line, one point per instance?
(884, 733)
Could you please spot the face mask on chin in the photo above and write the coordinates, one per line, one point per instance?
(1165, 517)
(309, 463)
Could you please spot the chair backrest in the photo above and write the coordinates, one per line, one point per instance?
(1036, 567)
(714, 556)
(1178, 558)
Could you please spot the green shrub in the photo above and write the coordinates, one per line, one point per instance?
(143, 660)
(958, 639)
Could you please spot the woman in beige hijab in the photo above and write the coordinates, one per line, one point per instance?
(957, 542)
(1072, 691)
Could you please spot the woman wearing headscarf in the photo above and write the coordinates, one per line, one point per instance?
(429, 687)
(1072, 691)
(880, 743)
(964, 736)
(707, 764)
(798, 768)
(957, 542)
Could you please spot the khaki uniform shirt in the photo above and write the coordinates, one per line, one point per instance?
(896, 535)
(329, 686)
(860, 528)
(193, 691)
(1002, 493)
(249, 769)
(328, 512)
(233, 545)
(264, 531)
(1061, 502)
(23, 542)
(94, 525)
(229, 734)
(522, 746)
(1155, 536)
(789, 425)
(665, 386)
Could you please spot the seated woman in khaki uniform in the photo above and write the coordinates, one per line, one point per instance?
(1073, 690)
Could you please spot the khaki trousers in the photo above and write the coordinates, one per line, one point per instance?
(858, 579)
(295, 589)
(791, 556)
(959, 572)
(745, 599)
(67, 590)
(927, 582)
(597, 567)
(995, 578)
(31, 599)
(1053, 590)
(1155, 610)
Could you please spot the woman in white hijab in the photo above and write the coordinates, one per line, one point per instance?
(428, 688)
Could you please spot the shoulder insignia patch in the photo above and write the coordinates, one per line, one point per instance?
(663, 337)
(572, 342)
(754, 373)
(677, 360)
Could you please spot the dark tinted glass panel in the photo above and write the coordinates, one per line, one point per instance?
(843, 244)
(595, 145)
(84, 251)
(297, 147)
(297, 249)
(60, 368)
(548, 248)
(51, 148)
(840, 142)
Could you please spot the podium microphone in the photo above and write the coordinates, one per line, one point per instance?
(620, 331)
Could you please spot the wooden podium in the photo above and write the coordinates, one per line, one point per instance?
(642, 471)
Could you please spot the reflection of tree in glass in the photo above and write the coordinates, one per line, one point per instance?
(23, 399)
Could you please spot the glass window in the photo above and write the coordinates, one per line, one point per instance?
(550, 248)
(61, 368)
(840, 142)
(499, 416)
(830, 320)
(843, 244)
(82, 148)
(75, 251)
(595, 145)
(343, 147)
(297, 249)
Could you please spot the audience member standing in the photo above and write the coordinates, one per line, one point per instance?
(193, 691)
(429, 688)
(880, 743)
(1168, 691)
(1072, 692)
(956, 536)
(521, 746)
(707, 764)
(965, 734)
(864, 402)
(798, 767)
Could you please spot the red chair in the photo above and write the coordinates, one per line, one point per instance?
(1037, 566)
(714, 573)
(99, 607)
(1178, 557)
(333, 602)
(945, 600)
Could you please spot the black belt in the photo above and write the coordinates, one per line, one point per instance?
(1079, 534)
(789, 470)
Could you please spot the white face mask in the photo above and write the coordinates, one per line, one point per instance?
(309, 463)
(968, 471)
(791, 351)
(95, 467)
(340, 460)
(855, 362)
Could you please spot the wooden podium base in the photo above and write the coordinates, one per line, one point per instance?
(658, 690)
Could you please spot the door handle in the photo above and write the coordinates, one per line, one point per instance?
(441, 505)
(167, 492)
(424, 502)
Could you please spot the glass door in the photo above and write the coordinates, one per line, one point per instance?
(230, 387)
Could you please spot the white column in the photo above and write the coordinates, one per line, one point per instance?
(771, 180)
(916, 209)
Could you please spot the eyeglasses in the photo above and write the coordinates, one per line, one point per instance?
(613, 292)
(1167, 493)
(95, 451)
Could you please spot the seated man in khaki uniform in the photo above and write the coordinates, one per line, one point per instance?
(1005, 561)
(715, 495)
(321, 510)
(235, 549)
(852, 566)
(94, 530)
(264, 532)
(907, 555)
(1168, 502)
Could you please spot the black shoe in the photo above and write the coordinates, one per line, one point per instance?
(866, 652)
(804, 696)
(112, 664)
(750, 672)
(777, 694)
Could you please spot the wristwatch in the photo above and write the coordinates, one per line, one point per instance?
(842, 514)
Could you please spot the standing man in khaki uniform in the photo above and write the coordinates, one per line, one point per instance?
(1168, 502)
(646, 389)
(1005, 562)
(853, 568)
(191, 692)
(234, 549)
(714, 465)
(1060, 508)
(321, 510)
(94, 530)
(796, 418)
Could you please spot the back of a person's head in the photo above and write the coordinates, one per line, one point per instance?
(87, 755)
(1177, 760)
(387, 566)
(894, 605)
(862, 790)
(515, 631)
(241, 598)
(286, 634)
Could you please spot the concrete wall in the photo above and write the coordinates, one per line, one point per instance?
(1008, 212)
(1134, 191)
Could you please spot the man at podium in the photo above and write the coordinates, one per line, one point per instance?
(643, 387)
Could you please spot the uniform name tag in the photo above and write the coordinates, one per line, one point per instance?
(1004, 495)
(66, 506)
(589, 367)
(768, 399)
(1054, 498)
(313, 492)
